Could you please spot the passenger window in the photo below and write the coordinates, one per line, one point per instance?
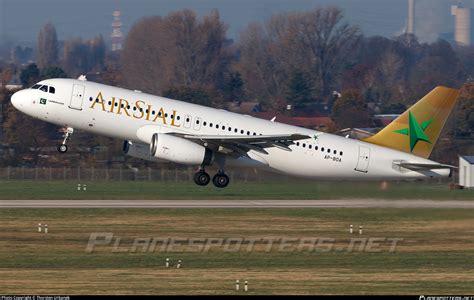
(52, 90)
(187, 121)
(197, 123)
(44, 88)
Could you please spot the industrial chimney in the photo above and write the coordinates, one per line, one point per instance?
(462, 24)
(116, 32)
(411, 17)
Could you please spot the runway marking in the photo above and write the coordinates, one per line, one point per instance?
(346, 203)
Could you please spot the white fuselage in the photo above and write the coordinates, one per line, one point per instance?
(326, 156)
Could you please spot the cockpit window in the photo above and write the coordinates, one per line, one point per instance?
(52, 90)
(44, 88)
(36, 86)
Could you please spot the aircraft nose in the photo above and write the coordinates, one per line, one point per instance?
(14, 99)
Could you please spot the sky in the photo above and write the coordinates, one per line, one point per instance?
(20, 20)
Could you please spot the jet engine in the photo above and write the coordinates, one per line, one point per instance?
(179, 150)
(137, 150)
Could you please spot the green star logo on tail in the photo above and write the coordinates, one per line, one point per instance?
(415, 131)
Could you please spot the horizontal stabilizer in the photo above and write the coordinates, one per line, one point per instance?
(420, 167)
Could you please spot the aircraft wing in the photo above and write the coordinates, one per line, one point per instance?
(243, 144)
(419, 166)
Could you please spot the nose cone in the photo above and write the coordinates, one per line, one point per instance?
(15, 99)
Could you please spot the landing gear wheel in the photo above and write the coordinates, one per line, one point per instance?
(220, 180)
(62, 148)
(202, 178)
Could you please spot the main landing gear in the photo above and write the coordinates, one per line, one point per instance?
(220, 180)
(62, 148)
(202, 178)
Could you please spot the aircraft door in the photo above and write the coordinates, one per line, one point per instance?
(77, 97)
(363, 160)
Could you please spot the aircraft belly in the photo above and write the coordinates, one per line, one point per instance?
(304, 164)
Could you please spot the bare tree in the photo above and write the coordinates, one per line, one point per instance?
(96, 53)
(83, 56)
(257, 64)
(321, 34)
(47, 48)
(177, 50)
(75, 58)
(315, 42)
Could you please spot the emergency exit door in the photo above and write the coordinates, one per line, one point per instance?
(364, 158)
(77, 97)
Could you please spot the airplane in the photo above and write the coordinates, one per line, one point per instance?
(159, 129)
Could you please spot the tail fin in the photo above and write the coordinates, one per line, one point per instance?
(417, 129)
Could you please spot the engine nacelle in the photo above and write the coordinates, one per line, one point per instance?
(179, 150)
(137, 150)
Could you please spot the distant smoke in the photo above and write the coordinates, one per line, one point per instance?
(431, 19)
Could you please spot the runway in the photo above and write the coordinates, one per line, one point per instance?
(346, 203)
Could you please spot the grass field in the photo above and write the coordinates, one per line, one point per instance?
(435, 256)
(238, 190)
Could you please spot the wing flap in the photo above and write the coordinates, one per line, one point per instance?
(244, 144)
(249, 139)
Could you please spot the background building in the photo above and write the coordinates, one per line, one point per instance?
(466, 171)
(462, 24)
